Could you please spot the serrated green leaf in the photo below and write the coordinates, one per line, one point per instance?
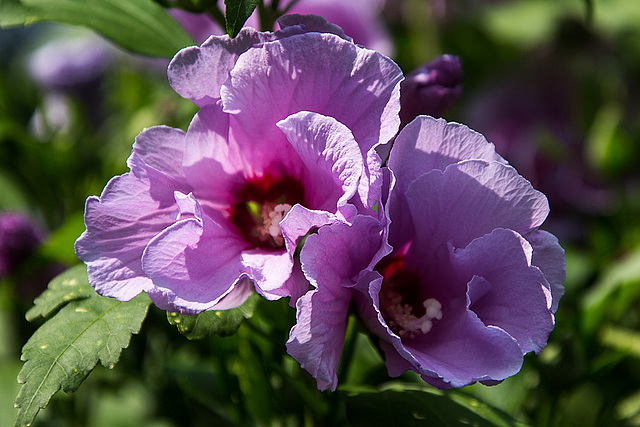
(69, 286)
(141, 26)
(223, 323)
(411, 407)
(66, 348)
(236, 14)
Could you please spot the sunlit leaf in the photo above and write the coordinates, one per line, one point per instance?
(215, 322)
(69, 286)
(411, 407)
(141, 26)
(67, 347)
(237, 13)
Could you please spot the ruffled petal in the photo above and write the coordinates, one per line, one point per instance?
(470, 199)
(132, 209)
(299, 221)
(269, 271)
(549, 257)
(333, 260)
(334, 164)
(213, 163)
(194, 264)
(338, 254)
(458, 351)
(466, 352)
(162, 148)
(197, 73)
(424, 145)
(511, 294)
(317, 339)
(320, 73)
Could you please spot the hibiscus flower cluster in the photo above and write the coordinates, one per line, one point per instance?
(278, 187)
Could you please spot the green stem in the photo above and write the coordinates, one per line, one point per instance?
(348, 350)
(589, 12)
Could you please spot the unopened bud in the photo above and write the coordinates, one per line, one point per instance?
(431, 88)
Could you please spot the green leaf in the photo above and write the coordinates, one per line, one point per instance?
(59, 245)
(12, 13)
(237, 13)
(223, 323)
(620, 280)
(69, 286)
(67, 347)
(141, 26)
(622, 340)
(411, 407)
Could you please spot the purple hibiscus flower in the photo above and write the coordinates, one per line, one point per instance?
(275, 150)
(471, 283)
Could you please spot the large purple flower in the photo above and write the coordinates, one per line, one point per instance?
(275, 150)
(471, 284)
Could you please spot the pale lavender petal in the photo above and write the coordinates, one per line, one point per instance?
(428, 143)
(332, 158)
(119, 225)
(299, 221)
(470, 199)
(194, 264)
(423, 145)
(320, 73)
(297, 285)
(515, 295)
(549, 257)
(338, 254)
(213, 163)
(333, 259)
(241, 291)
(197, 73)
(162, 148)
(269, 271)
(317, 338)
(467, 351)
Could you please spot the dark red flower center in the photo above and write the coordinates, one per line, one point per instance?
(265, 202)
(402, 300)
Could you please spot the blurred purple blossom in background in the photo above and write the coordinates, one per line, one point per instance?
(70, 62)
(19, 238)
(530, 116)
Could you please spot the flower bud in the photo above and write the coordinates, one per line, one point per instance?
(431, 88)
